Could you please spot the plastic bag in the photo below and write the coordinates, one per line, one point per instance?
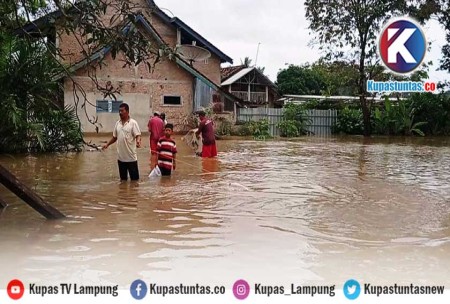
(156, 172)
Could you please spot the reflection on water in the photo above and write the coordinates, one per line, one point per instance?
(277, 212)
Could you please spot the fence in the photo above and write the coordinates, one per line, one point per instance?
(320, 121)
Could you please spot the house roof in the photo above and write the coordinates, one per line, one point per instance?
(227, 72)
(33, 27)
(189, 31)
(241, 72)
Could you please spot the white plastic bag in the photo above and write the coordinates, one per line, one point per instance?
(156, 172)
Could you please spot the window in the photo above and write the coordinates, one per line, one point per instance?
(108, 106)
(172, 100)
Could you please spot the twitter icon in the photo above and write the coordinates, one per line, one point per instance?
(352, 289)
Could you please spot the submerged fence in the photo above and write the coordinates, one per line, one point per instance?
(320, 121)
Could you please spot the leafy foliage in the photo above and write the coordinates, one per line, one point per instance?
(295, 121)
(31, 120)
(259, 129)
(222, 126)
(94, 25)
(397, 119)
(353, 24)
(435, 110)
(421, 114)
(350, 121)
(300, 80)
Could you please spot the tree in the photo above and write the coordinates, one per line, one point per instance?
(31, 120)
(340, 77)
(94, 24)
(354, 24)
(247, 62)
(440, 10)
(300, 80)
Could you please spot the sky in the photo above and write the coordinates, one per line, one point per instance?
(236, 27)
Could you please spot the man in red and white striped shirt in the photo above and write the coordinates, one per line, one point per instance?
(167, 150)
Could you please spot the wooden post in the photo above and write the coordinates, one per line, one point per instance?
(28, 195)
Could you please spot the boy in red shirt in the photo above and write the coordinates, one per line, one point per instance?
(209, 138)
(167, 150)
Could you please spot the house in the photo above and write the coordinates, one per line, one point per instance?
(176, 86)
(251, 86)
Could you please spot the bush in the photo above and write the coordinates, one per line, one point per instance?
(241, 130)
(433, 109)
(295, 121)
(30, 119)
(61, 131)
(288, 128)
(350, 121)
(259, 129)
(223, 126)
(397, 119)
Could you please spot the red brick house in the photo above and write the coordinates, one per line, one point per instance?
(175, 86)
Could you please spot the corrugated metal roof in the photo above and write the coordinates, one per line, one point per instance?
(237, 76)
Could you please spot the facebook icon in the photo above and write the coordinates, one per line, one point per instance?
(138, 289)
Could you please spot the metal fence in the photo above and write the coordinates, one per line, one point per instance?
(320, 121)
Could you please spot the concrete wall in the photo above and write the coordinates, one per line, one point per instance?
(142, 90)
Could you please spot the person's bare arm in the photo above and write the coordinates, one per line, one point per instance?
(110, 142)
(138, 141)
(199, 130)
(174, 163)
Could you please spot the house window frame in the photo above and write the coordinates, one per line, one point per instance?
(110, 109)
(171, 105)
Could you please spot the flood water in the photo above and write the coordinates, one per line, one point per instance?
(310, 211)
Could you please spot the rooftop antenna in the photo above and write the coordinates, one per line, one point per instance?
(257, 52)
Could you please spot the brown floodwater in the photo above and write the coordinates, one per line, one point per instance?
(314, 210)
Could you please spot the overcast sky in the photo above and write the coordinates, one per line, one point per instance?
(237, 26)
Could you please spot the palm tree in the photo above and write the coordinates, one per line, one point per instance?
(247, 62)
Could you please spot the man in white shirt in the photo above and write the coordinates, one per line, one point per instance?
(128, 136)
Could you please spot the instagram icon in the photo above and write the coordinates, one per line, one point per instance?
(241, 289)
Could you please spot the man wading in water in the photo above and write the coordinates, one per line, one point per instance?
(206, 128)
(128, 137)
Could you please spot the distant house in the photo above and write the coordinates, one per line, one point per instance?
(250, 85)
(176, 87)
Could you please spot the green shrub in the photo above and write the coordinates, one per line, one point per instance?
(259, 129)
(295, 121)
(242, 130)
(433, 109)
(397, 119)
(223, 126)
(350, 121)
(288, 128)
(30, 119)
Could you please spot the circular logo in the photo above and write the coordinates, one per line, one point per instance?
(352, 289)
(241, 289)
(402, 45)
(138, 289)
(15, 289)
